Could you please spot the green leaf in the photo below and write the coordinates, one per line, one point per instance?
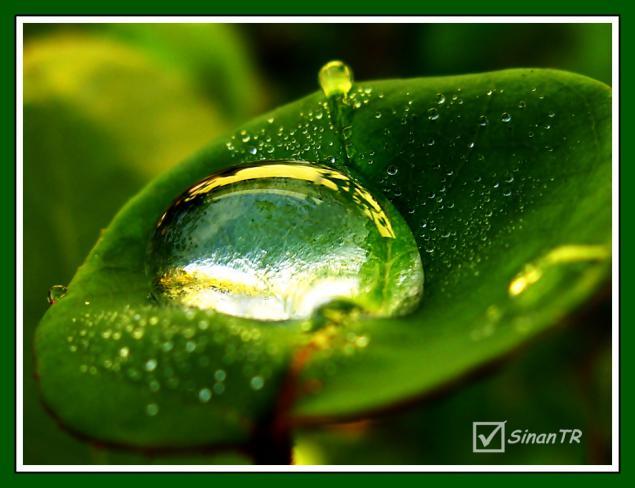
(505, 180)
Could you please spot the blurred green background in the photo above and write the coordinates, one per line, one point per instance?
(108, 107)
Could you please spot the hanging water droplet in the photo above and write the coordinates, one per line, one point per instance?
(336, 78)
(277, 240)
(56, 293)
(506, 117)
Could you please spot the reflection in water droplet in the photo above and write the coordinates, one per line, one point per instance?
(277, 240)
(336, 78)
(56, 293)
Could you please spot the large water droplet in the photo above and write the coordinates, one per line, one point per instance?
(336, 78)
(278, 240)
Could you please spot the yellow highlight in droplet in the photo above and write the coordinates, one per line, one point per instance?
(329, 178)
(570, 253)
(336, 78)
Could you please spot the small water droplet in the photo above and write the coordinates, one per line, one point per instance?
(433, 114)
(152, 409)
(392, 170)
(204, 395)
(56, 293)
(483, 121)
(506, 117)
(151, 365)
(257, 382)
(440, 98)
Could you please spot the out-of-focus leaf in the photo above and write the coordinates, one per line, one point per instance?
(101, 117)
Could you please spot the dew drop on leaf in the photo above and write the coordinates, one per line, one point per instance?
(204, 395)
(257, 382)
(277, 240)
(152, 409)
(56, 293)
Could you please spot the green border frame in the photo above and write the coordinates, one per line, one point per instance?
(9, 9)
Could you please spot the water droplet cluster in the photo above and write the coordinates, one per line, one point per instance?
(200, 362)
(449, 146)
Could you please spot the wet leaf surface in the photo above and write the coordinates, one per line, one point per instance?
(505, 181)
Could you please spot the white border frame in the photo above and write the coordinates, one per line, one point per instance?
(613, 20)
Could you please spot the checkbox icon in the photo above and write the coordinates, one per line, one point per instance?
(488, 437)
